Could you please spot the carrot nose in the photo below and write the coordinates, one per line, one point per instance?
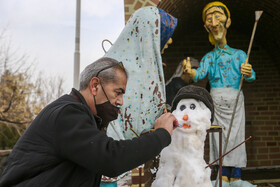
(185, 117)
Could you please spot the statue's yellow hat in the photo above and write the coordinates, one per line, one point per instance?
(215, 3)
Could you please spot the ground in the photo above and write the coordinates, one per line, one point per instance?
(260, 177)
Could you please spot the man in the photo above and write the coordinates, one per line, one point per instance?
(65, 144)
(224, 67)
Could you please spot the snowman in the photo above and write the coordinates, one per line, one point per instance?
(182, 163)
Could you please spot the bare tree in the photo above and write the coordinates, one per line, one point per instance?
(22, 95)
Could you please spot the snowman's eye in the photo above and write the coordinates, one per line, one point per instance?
(192, 106)
(182, 107)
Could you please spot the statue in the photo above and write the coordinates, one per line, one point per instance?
(178, 80)
(224, 67)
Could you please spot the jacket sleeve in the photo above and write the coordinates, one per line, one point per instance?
(78, 139)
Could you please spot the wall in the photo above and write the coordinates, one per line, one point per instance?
(131, 5)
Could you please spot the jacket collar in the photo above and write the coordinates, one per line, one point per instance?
(78, 97)
(219, 51)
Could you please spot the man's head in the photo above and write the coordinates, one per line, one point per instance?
(103, 80)
(216, 18)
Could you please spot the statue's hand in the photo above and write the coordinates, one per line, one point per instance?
(187, 68)
(246, 69)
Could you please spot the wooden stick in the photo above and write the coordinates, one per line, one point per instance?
(249, 50)
(257, 17)
(134, 132)
(228, 152)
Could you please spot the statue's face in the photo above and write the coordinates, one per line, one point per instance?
(166, 45)
(215, 22)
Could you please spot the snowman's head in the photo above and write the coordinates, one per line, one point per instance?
(197, 93)
(193, 115)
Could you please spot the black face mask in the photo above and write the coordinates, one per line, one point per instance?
(106, 111)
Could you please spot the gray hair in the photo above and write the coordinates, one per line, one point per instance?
(105, 76)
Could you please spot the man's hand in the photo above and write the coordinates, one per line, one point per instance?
(166, 121)
(246, 69)
(187, 68)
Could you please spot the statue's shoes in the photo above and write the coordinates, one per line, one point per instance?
(224, 183)
(240, 183)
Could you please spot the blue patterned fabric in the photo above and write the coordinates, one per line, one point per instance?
(168, 25)
(223, 68)
(138, 48)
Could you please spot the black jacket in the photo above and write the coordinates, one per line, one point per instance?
(64, 147)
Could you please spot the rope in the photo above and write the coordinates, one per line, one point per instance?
(102, 44)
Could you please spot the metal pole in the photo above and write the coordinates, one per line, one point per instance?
(77, 46)
(220, 155)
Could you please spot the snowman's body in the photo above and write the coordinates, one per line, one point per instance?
(182, 163)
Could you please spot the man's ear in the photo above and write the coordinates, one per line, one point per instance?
(93, 85)
(228, 23)
(206, 28)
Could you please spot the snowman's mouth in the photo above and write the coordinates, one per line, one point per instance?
(186, 126)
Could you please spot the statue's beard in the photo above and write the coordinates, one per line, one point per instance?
(219, 36)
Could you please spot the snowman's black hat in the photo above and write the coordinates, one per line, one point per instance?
(195, 92)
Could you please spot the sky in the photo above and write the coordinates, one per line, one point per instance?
(45, 31)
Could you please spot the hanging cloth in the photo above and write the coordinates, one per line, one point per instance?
(139, 49)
